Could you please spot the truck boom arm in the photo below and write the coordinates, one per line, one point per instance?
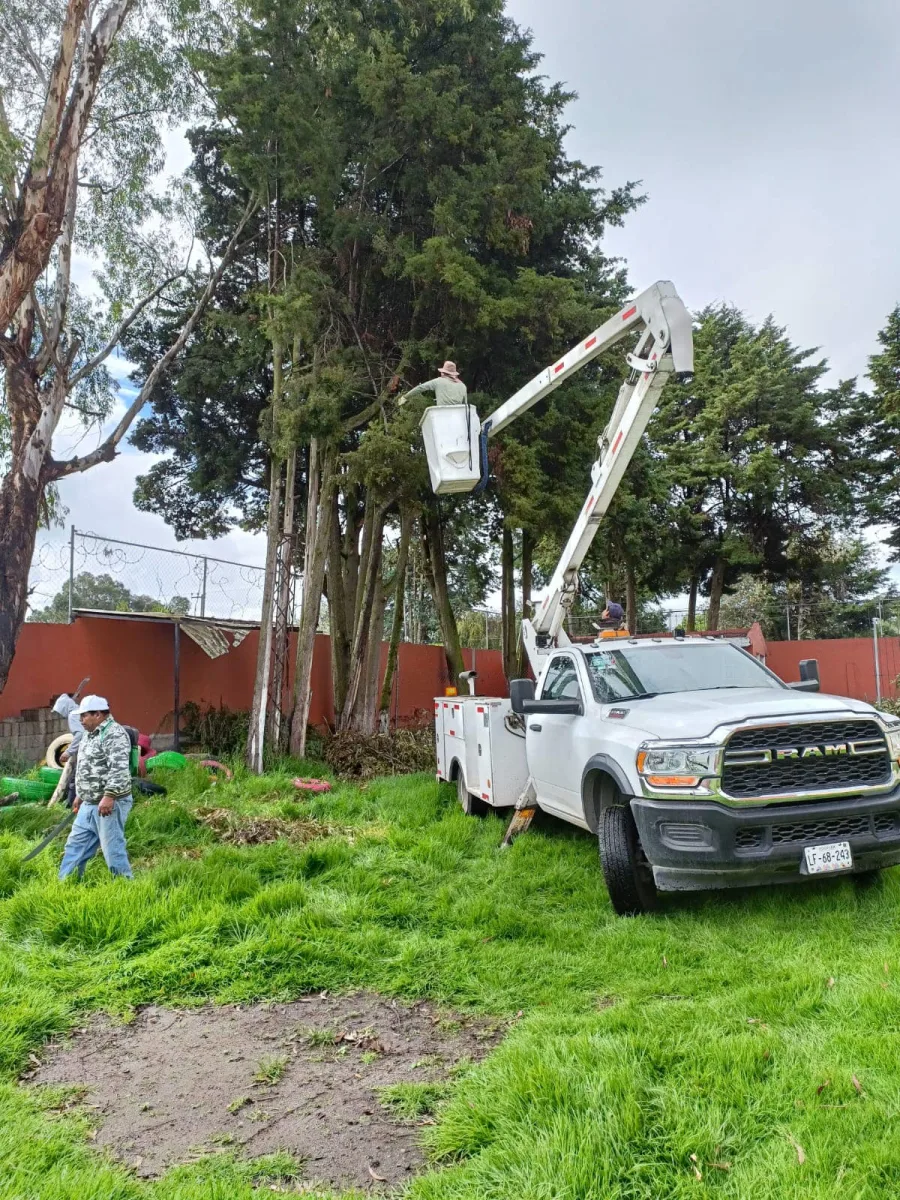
(664, 348)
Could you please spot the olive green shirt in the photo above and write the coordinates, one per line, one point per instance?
(446, 391)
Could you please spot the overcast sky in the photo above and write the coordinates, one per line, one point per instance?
(765, 136)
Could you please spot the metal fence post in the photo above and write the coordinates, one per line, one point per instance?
(71, 569)
(203, 587)
(877, 660)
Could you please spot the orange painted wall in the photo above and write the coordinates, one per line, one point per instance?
(131, 663)
(846, 666)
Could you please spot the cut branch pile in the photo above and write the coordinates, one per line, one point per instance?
(238, 830)
(365, 756)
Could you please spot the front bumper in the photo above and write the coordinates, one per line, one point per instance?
(693, 845)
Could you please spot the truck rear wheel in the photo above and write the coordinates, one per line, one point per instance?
(471, 805)
(629, 879)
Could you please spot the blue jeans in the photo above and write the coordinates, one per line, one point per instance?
(91, 832)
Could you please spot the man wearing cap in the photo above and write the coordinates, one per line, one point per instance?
(613, 616)
(447, 388)
(103, 792)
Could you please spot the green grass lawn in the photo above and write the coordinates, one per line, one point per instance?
(750, 1038)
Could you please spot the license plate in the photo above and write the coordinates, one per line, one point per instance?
(835, 856)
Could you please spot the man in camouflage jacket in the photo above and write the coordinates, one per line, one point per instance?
(102, 793)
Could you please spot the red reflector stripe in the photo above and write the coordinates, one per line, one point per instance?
(479, 710)
(453, 733)
(590, 504)
(630, 313)
(590, 342)
(485, 796)
(618, 440)
(558, 368)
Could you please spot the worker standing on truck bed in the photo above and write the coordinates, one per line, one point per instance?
(447, 388)
(613, 616)
(103, 792)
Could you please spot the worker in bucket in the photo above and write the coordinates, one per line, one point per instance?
(102, 793)
(447, 388)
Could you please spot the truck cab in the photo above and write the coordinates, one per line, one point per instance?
(698, 768)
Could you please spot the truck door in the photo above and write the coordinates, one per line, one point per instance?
(554, 743)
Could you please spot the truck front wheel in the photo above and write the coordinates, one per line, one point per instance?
(629, 879)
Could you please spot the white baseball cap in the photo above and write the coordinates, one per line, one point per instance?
(92, 704)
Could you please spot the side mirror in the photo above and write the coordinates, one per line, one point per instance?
(520, 690)
(809, 676)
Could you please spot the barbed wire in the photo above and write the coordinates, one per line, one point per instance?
(110, 574)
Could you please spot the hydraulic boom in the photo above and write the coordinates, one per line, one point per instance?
(665, 347)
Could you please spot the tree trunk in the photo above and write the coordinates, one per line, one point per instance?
(313, 585)
(282, 615)
(256, 736)
(691, 622)
(436, 566)
(527, 574)
(716, 590)
(371, 695)
(508, 603)
(337, 612)
(406, 523)
(353, 715)
(262, 684)
(630, 597)
(20, 503)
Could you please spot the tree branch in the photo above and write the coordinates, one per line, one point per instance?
(49, 346)
(28, 50)
(108, 449)
(64, 273)
(121, 330)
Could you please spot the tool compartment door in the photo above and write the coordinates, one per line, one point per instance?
(454, 736)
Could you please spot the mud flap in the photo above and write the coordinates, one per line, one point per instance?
(526, 807)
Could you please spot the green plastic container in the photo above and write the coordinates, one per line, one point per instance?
(168, 760)
(50, 775)
(28, 789)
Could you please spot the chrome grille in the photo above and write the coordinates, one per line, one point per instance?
(842, 754)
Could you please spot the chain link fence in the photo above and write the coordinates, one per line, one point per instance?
(110, 575)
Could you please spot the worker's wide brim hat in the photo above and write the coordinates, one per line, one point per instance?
(92, 704)
(449, 369)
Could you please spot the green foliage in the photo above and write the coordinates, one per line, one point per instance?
(719, 1029)
(411, 1100)
(218, 730)
(832, 599)
(761, 462)
(105, 593)
(884, 431)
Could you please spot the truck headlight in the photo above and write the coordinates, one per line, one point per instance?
(892, 737)
(677, 766)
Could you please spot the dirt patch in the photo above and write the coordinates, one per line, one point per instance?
(302, 1077)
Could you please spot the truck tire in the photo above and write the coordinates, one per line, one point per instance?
(471, 805)
(629, 879)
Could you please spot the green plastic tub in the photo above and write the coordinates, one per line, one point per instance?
(28, 789)
(168, 760)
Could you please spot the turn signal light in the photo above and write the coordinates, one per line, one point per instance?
(450, 691)
(673, 780)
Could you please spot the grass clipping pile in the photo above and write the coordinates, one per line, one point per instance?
(366, 756)
(237, 829)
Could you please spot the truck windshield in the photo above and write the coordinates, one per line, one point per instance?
(629, 672)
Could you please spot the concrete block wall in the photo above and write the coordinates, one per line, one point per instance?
(28, 736)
